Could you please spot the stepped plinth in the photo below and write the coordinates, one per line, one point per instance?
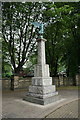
(42, 91)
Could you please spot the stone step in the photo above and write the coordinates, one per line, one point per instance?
(42, 96)
(42, 81)
(42, 89)
(44, 101)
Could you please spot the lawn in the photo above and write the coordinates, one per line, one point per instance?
(68, 88)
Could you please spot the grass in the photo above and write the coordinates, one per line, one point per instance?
(58, 88)
(68, 88)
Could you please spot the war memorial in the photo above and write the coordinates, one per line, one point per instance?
(41, 91)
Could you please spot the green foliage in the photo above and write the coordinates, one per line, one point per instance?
(29, 65)
(18, 33)
(62, 32)
(7, 72)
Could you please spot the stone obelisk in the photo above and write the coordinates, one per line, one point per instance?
(42, 91)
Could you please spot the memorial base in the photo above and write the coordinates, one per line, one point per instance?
(42, 101)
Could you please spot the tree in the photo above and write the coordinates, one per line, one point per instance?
(72, 44)
(62, 33)
(55, 33)
(18, 33)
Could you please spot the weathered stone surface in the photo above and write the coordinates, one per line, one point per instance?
(61, 79)
(41, 52)
(43, 101)
(42, 96)
(42, 89)
(42, 81)
(41, 70)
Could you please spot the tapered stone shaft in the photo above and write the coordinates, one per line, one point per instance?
(41, 51)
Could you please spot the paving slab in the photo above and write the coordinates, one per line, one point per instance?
(13, 105)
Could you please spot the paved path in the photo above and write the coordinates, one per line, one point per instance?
(14, 106)
(69, 110)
